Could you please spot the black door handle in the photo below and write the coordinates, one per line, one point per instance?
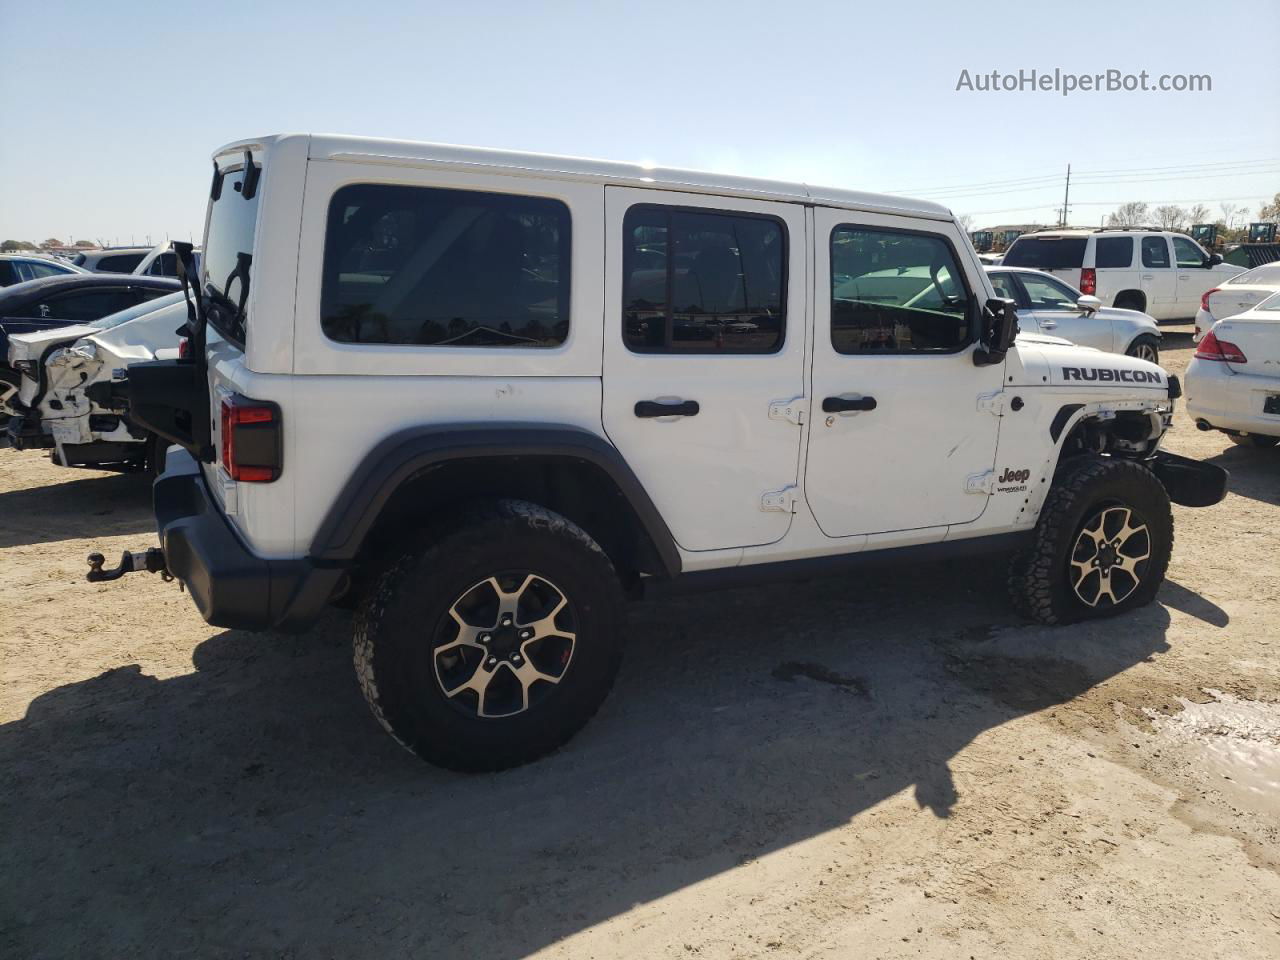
(652, 408)
(841, 405)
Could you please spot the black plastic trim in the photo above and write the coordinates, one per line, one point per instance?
(1191, 483)
(812, 567)
(1061, 418)
(405, 455)
(230, 584)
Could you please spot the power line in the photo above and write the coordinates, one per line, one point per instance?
(1106, 203)
(1082, 174)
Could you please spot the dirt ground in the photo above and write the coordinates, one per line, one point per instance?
(886, 765)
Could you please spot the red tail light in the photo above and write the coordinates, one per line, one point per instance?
(184, 349)
(1211, 348)
(1204, 300)
(1089, 281)
(250, 439)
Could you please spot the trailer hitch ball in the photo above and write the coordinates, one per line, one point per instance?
(150, 561)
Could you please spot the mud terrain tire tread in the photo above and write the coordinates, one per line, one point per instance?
(390, 634)
(1037, 576)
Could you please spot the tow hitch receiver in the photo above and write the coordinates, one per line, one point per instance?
(152, 561)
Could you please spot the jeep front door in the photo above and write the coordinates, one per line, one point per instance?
(899, 424)
(705, 323)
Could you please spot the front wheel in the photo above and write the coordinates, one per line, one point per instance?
(1145, 347)
(1101, 546)
(494, 644)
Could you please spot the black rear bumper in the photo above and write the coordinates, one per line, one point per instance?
(230, 584)
(1192, 483)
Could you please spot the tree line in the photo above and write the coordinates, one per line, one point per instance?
(1232, 219)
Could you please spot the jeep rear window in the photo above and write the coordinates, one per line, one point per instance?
(1046, 253)
(421, 265)
(228, 253)
(702, 281)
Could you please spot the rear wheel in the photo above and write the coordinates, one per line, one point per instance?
(496, 643)
(1101, 546)
(1253, 440)
(1145, 347)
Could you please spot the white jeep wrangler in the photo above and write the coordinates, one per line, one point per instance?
(489, 396)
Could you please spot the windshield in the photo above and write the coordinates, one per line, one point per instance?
(1046, 253)
(1262, 276)
(132, 313)
(228, 253)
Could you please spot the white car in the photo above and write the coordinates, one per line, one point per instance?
(451, 388)
(1048, 305)
(74, 385)
(1233, 382)
(1236, 295)
(1158, 272)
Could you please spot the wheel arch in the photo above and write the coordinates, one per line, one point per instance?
(421, 474)
(1130, 295)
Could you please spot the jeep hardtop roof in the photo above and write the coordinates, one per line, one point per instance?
(418, 154)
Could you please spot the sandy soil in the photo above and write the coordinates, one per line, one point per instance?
(975, 787)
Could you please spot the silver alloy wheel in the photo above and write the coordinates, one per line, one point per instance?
(504, 643)
(1148, 352)
(1109, 557)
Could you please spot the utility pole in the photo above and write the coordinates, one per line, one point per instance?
(1066, 194)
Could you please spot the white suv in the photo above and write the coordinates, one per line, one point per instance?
(490, 395)
(1160, 273)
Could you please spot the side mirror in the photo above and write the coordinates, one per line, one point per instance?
(1213, 261)
(999, 329)
(1089, 305)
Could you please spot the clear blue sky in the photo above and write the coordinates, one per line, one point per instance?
(112, 108)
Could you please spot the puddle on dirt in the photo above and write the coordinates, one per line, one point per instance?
(1239, 741)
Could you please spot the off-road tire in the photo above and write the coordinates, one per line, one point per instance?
(404, 606)
(1151, 345)
(1039, 575)
(1256, 440)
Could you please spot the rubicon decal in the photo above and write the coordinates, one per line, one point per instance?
(1106, 375)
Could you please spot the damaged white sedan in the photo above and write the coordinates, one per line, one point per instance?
(73, 397)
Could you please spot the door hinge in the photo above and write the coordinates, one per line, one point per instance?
(993, 403)
(790, 410)
(779, 501)
(980, 482)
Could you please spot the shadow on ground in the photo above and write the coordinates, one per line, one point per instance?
(88, 506)
(1255, 473)
(254, 807)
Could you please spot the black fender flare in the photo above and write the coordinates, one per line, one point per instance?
(405, 455)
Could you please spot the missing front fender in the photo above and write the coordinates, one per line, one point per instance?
(1192, 483)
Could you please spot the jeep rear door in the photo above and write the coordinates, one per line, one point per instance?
(705, 324)
(898, 423)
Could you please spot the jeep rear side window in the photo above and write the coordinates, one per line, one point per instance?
(1046, 253)
(896, 292)
(420, 265)
(1113, 252)
(702, 282)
